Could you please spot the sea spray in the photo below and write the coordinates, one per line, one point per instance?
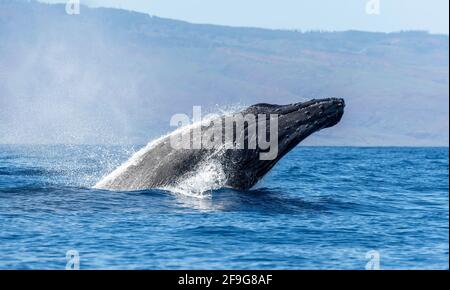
(208, 175)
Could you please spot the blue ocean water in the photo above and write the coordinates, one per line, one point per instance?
(320, 208)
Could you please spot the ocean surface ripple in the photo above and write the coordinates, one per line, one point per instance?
(320, 208)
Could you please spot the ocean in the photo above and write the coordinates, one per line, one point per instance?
(319, 208)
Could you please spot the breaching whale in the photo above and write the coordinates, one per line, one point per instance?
(160, 165)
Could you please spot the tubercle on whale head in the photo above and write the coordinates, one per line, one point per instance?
(303, 119)
(295, 123)
(300, 120)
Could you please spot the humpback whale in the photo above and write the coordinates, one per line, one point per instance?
(160, 165)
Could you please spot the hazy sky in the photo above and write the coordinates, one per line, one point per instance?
(394, 15)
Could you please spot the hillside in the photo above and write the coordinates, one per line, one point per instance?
(114, 76)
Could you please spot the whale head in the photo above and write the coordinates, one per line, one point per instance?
(295, 123)
(298, 121)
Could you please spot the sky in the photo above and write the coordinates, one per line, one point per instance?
(329, 15)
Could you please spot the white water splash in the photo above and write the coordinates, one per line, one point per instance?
(207, 176)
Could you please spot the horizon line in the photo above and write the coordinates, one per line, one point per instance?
(293, 30)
